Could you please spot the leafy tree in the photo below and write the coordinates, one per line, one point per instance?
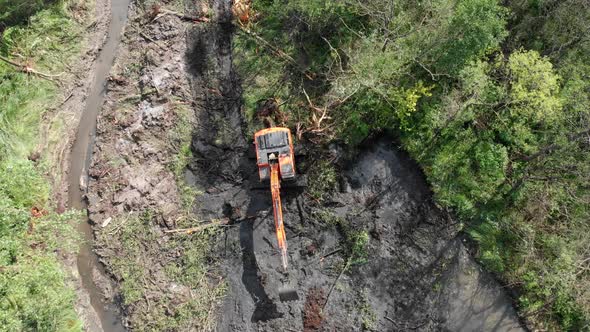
(476, 27)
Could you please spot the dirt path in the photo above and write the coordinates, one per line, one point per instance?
(133, 194)
(89, 268)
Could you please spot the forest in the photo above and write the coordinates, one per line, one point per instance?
(491, 98)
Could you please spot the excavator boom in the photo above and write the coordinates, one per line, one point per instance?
(275, 187)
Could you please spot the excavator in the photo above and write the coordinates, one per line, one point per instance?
(276, 161)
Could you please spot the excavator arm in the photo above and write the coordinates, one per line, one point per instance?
(275, 187)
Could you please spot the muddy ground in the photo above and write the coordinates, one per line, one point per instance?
(418, 275)
(413, 274)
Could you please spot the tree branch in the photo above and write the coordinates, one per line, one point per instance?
(188, 231)
(552, 147)
(29, 70)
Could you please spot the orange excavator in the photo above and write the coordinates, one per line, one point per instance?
(276, 162)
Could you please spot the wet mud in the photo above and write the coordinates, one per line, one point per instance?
(417, 275)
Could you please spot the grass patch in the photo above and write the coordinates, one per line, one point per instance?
(192, 269)
(180, 140)
(322, 181)
(183, 264)
(354, 241)
(34, 294)
(131, 233)
(368, 316)
(48, 43)
(33, 290)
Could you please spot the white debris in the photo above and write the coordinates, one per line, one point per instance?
(106, 222)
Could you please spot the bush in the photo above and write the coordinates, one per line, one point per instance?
(13, 12)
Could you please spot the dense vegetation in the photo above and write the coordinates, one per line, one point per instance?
(491, 98)
(34, 294)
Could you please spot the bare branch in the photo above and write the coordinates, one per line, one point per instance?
(30, 70)
(188, 231)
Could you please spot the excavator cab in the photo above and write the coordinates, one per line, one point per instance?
(274, 145)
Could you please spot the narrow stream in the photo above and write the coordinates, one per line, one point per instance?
(80, 159)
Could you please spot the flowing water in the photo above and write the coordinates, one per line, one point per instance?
(80, 157)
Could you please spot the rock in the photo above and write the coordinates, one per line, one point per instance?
(169, 212)
(84, 180)
(102, 282)
(151, 115)
(128, 196)
(310, 250)
(94, 218)
(179, 289)
(148, 149)
(93, 202)
(140, 183)
(212, 190)
(122, 145)
(166, 185)
(159, 78)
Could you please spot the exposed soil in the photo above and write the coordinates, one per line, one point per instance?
(131, 172)
(409, 281)
(313, 315)
(417, 274)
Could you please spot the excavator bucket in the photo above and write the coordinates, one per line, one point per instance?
(287, 292)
